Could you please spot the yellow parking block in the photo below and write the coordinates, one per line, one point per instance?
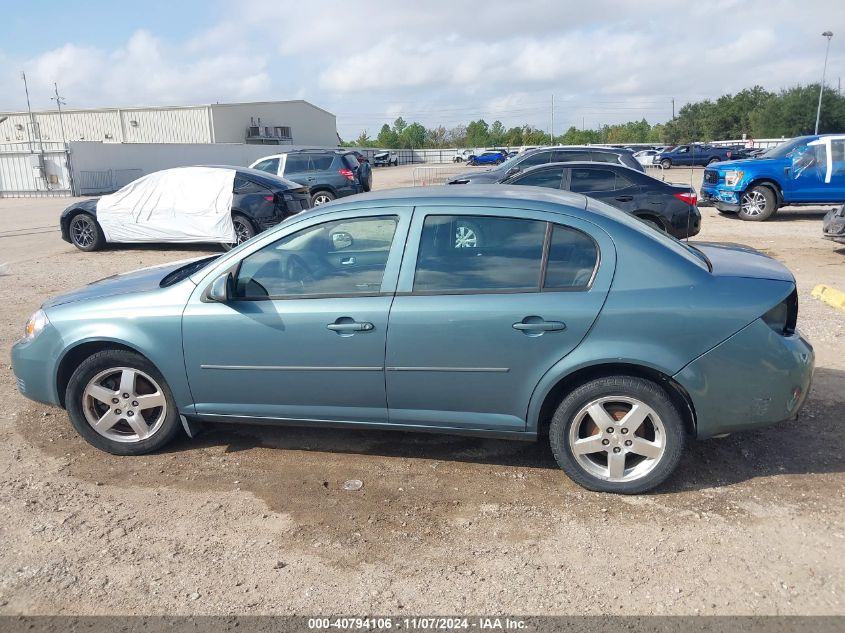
(831, 296)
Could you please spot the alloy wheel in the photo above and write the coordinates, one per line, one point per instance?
(321, 199)
(617, 438)
(82, 231)
(124, 404)
(242, 232)
(753, 202)
(465, 237)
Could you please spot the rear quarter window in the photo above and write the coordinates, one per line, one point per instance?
(322, 162)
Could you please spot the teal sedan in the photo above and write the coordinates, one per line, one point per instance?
(508, 312)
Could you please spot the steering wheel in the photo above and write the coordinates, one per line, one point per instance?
(297, 270)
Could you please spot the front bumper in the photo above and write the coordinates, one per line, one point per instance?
(722, 198)
(34, 365)
(755, 378)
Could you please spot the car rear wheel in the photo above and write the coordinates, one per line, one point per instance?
(244, 230)
(666, 163)
(757, 204)
(617, 434)
(119, 402)
(85, 233)
(321, 197)
(711, 161)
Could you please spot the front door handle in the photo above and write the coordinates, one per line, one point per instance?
(625, 198)
(537, 325)
(347, 261)
(351, 326)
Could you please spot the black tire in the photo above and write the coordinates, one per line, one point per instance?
(396, 162)
(85, 233)
(244, 230)
(666, 163)
(639, 390)
(757, 204)
(711, 161)
(652, 222)
(77, 403)
(365, 173)
(321, 197)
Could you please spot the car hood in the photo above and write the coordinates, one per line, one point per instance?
(753, 163)
(89, 205)
(141, 280)
(478, 177)
(737, 260)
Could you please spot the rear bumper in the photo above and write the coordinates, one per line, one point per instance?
(755, 378)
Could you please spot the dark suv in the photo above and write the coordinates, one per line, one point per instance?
(543, 155)
(329, 174)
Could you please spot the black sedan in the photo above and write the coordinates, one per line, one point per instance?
(213, 203)
(670, 208)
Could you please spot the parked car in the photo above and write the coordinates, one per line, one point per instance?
(329, 174)
(645, 157)
(690, 155)
(385, 159)
(833, 225)
(461, 156)
(359, 156)
(804, 170)
(570, 320)
(545, 155)
(489, 157)
(222, 204)
(667, 207)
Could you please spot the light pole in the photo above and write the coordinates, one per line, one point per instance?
(828, 35)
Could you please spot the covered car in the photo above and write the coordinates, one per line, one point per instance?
(214, 204)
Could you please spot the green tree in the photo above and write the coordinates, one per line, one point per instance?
(478, 133)
(387, 138)
(412, 136)
(497, 133)
(399, 126)
(363, 140)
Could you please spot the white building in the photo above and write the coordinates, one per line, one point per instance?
(265, 122)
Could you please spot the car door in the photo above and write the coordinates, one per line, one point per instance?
(302, 336)
(473, 328)
(601, 183)
(298, 168)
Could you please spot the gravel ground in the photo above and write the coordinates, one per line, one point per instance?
(256, 520)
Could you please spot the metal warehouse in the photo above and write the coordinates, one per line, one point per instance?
(265, 122)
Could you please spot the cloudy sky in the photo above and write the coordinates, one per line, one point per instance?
(436, 61)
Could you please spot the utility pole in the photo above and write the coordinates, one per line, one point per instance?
(59, 103)
(828, 35)
(673, 108)
(29, 110)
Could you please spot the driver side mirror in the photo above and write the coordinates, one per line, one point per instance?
(221, 289)
(341, 240)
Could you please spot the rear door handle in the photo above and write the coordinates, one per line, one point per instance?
(538, 326)
(625, 198)
(354, 326)
(347, 261)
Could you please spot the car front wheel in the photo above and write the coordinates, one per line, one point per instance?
(617, 434)
(757, 204)
(85, 233)
(119, 402)
(665, 163)
(321, 197)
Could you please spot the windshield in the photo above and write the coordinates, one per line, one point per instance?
(511, 162)
(785, 149)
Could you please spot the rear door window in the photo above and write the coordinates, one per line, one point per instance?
(573, 257)
(604, 157)
(244, 186)
(270, 165)
(569, 155)
(540, 158)
(297, 163)
(588, 179)
(550, 178)
(479, 253)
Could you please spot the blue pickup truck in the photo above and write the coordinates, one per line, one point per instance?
(693, 154)
(801, 171)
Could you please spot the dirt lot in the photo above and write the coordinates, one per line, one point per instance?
(257, 521)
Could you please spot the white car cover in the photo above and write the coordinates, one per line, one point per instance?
(185, 204)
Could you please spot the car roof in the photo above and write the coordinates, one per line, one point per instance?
(261, 177)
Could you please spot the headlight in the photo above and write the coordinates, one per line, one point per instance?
(37, 322)
(733, 177)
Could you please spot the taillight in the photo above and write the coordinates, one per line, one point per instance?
(347, 173)
(784, 316)
(690, 197)
(269, 198)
